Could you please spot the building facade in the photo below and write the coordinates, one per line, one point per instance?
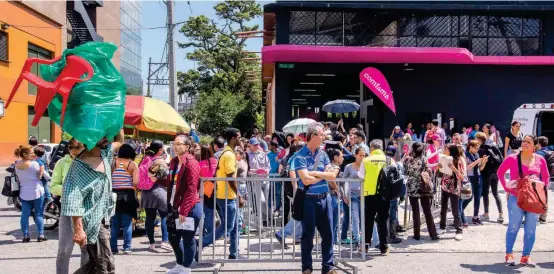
(131, 14)
(27, 29)
(314, 52)
(43, 29)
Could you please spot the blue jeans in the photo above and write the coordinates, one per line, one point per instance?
(393, 211)
(47, 194)
(231, 224)
(355, 205)
(335, 206)
(292, 228)
(118, 220)
(243, 192)
(26, 207)
(184, 254)
(208, 220)
(516, 217)
(150, 222)
(476, 189)
(317, 213)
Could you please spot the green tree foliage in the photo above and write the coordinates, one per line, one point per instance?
(133, 90)
(225, 97)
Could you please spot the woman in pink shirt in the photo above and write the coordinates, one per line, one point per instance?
(208, 166)
(532, 165)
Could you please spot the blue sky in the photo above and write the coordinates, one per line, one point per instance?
(153, 41)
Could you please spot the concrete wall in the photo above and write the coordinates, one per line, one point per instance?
(108, 24)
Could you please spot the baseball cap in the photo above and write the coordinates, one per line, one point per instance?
(397, 127)
(254, 141)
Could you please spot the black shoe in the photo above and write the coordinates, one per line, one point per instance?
(385, 252)
(395, 240)
(435, 238)
(26, 239)
(416, 238)
(42, 239)
(400, 229)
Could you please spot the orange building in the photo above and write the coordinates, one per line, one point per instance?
(25, 32)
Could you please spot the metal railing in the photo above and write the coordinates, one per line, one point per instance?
(263, 224)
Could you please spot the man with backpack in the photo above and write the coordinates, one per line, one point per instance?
(375, 204)
(546, 151)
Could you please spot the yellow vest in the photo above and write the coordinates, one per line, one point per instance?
(372, 166)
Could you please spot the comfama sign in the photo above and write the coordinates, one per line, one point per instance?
(377, 83)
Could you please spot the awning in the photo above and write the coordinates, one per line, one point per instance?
(328, 54)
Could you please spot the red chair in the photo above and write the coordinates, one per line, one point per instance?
(70, 75)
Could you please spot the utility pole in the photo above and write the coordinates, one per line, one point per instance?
(171, 56)
(153, 78)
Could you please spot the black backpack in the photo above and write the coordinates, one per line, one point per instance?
(390, 184)
(58, 153)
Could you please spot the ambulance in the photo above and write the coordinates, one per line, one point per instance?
(536, 119)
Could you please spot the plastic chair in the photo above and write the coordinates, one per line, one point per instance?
(70, 75)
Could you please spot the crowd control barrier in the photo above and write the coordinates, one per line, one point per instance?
(260, 223)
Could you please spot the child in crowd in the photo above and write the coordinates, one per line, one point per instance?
(43, 173)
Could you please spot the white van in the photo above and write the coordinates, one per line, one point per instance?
(536, 119)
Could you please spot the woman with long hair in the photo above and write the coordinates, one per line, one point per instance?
(125, 177)
(336, 158)
(31, 191)
(351, 198)
(420, 189)
(154, 200)
(451, 188)
(491, 136)
(474, 167)
(512, 142)
(208, 166)
(292, 228)
(535, 167)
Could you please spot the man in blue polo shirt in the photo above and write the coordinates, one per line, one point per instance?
(312, 167)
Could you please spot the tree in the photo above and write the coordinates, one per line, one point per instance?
(133, 90)
(220, 80)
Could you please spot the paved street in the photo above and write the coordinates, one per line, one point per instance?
(482, 250)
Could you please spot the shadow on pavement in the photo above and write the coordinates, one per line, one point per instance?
(492, 268)
(546, 265)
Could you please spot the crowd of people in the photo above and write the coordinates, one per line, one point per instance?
(99, 189)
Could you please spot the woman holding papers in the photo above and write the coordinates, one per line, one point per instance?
(451, 185)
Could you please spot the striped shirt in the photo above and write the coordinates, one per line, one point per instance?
(121, 178)
(87, 193)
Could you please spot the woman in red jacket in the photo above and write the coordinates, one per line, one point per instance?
(184, 174)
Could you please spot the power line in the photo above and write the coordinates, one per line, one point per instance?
(141, 28)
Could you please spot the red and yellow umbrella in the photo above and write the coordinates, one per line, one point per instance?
(153, 115)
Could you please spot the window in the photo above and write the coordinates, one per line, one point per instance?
(43, 130)
(3, 46)
(37, 52)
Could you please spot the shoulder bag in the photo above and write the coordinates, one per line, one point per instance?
(531, 194)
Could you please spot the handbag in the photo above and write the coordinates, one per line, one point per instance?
(466, 191)
(426, 183)
(531, 194)
(11, 186)
(300, 195)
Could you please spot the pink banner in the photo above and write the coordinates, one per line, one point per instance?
(376, 81)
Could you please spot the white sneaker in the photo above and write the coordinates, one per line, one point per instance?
(441, 231)
(178, 269)
(459, 236)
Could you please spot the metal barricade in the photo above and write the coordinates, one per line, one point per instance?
(262, 225)
(435, 207)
